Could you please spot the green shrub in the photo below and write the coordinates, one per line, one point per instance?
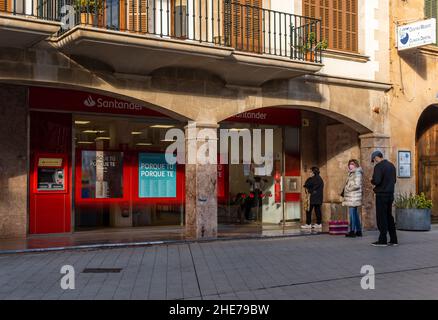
(413, 201)
(88, 6)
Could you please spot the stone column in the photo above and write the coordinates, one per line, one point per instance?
(13, 161)
(201, 184)
(368, 144)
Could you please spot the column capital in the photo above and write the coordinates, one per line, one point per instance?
(374, 136)
(203, 125)
(375, 141)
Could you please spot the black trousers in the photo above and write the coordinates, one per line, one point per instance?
(385, 220)
(317, 208)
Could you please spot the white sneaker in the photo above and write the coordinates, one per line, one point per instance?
(317, 226)
(306, 226)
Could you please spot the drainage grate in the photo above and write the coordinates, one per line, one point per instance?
(101, 270)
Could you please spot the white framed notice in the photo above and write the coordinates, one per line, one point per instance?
(404, 164)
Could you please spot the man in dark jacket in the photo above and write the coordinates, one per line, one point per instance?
(384, 179)
(315, 187)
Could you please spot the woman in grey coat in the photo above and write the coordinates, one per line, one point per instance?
(352, 195)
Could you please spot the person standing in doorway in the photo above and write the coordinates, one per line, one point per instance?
(384, 179)
(315, 186)
(352, 195)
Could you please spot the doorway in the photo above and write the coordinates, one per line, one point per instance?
(427, 156)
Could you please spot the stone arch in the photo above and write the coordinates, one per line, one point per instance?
(352, 123)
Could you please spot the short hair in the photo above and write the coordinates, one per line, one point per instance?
(315, 170)
(355, 162)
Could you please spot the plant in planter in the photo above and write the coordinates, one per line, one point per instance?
(310, 46)
(91, 11)
(413, 212)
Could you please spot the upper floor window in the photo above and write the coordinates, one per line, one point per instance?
(339, 22)
(431, 11)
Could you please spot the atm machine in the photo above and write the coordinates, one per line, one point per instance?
(50, 199)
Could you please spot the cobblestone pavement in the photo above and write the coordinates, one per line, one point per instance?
(308, 267)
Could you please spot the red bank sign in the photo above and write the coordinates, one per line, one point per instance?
(274, 116)
(71, 100)
(80, 101)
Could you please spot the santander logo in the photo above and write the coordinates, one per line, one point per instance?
(111, 104)
(89, 102)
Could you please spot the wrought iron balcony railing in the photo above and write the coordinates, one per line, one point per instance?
(229, 23)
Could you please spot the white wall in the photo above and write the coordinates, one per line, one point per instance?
(373, 31)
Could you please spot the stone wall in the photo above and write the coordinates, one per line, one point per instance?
(414, 75)
(329, 145)
(13, 161)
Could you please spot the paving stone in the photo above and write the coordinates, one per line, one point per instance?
(322, 267)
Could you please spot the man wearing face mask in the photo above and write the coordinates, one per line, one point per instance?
(384, 179)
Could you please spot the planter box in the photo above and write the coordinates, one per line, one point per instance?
(413, 219)
(92, 19)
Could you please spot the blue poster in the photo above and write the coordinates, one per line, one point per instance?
(156, 178)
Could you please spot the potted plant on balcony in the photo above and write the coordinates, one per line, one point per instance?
(413, 212)
(310, 46)
(91, 11)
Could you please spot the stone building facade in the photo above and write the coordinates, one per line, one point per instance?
(344, 99)
(413, 99)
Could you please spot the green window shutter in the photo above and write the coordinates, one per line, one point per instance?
(431, 11)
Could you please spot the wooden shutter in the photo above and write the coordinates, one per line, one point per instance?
(351, 25)
(339, 22)
(324, 10)
(337, 26)
(140, 16)
(431, 11)
(254, 25)
(243, 24)
(2, 5)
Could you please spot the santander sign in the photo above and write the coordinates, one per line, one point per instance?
(111, 104)
(79, 101)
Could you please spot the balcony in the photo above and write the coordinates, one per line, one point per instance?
(24, 23)
(243, 44)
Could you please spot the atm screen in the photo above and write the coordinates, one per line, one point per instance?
(50, 179)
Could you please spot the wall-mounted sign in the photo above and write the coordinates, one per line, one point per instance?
(72, 100)
(416, 34)
(270, 115)
(156, 178)
(404, 164)
(49, 162)
(293, 184)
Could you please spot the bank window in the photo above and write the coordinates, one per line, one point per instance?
(431, 11)
(339, 22)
